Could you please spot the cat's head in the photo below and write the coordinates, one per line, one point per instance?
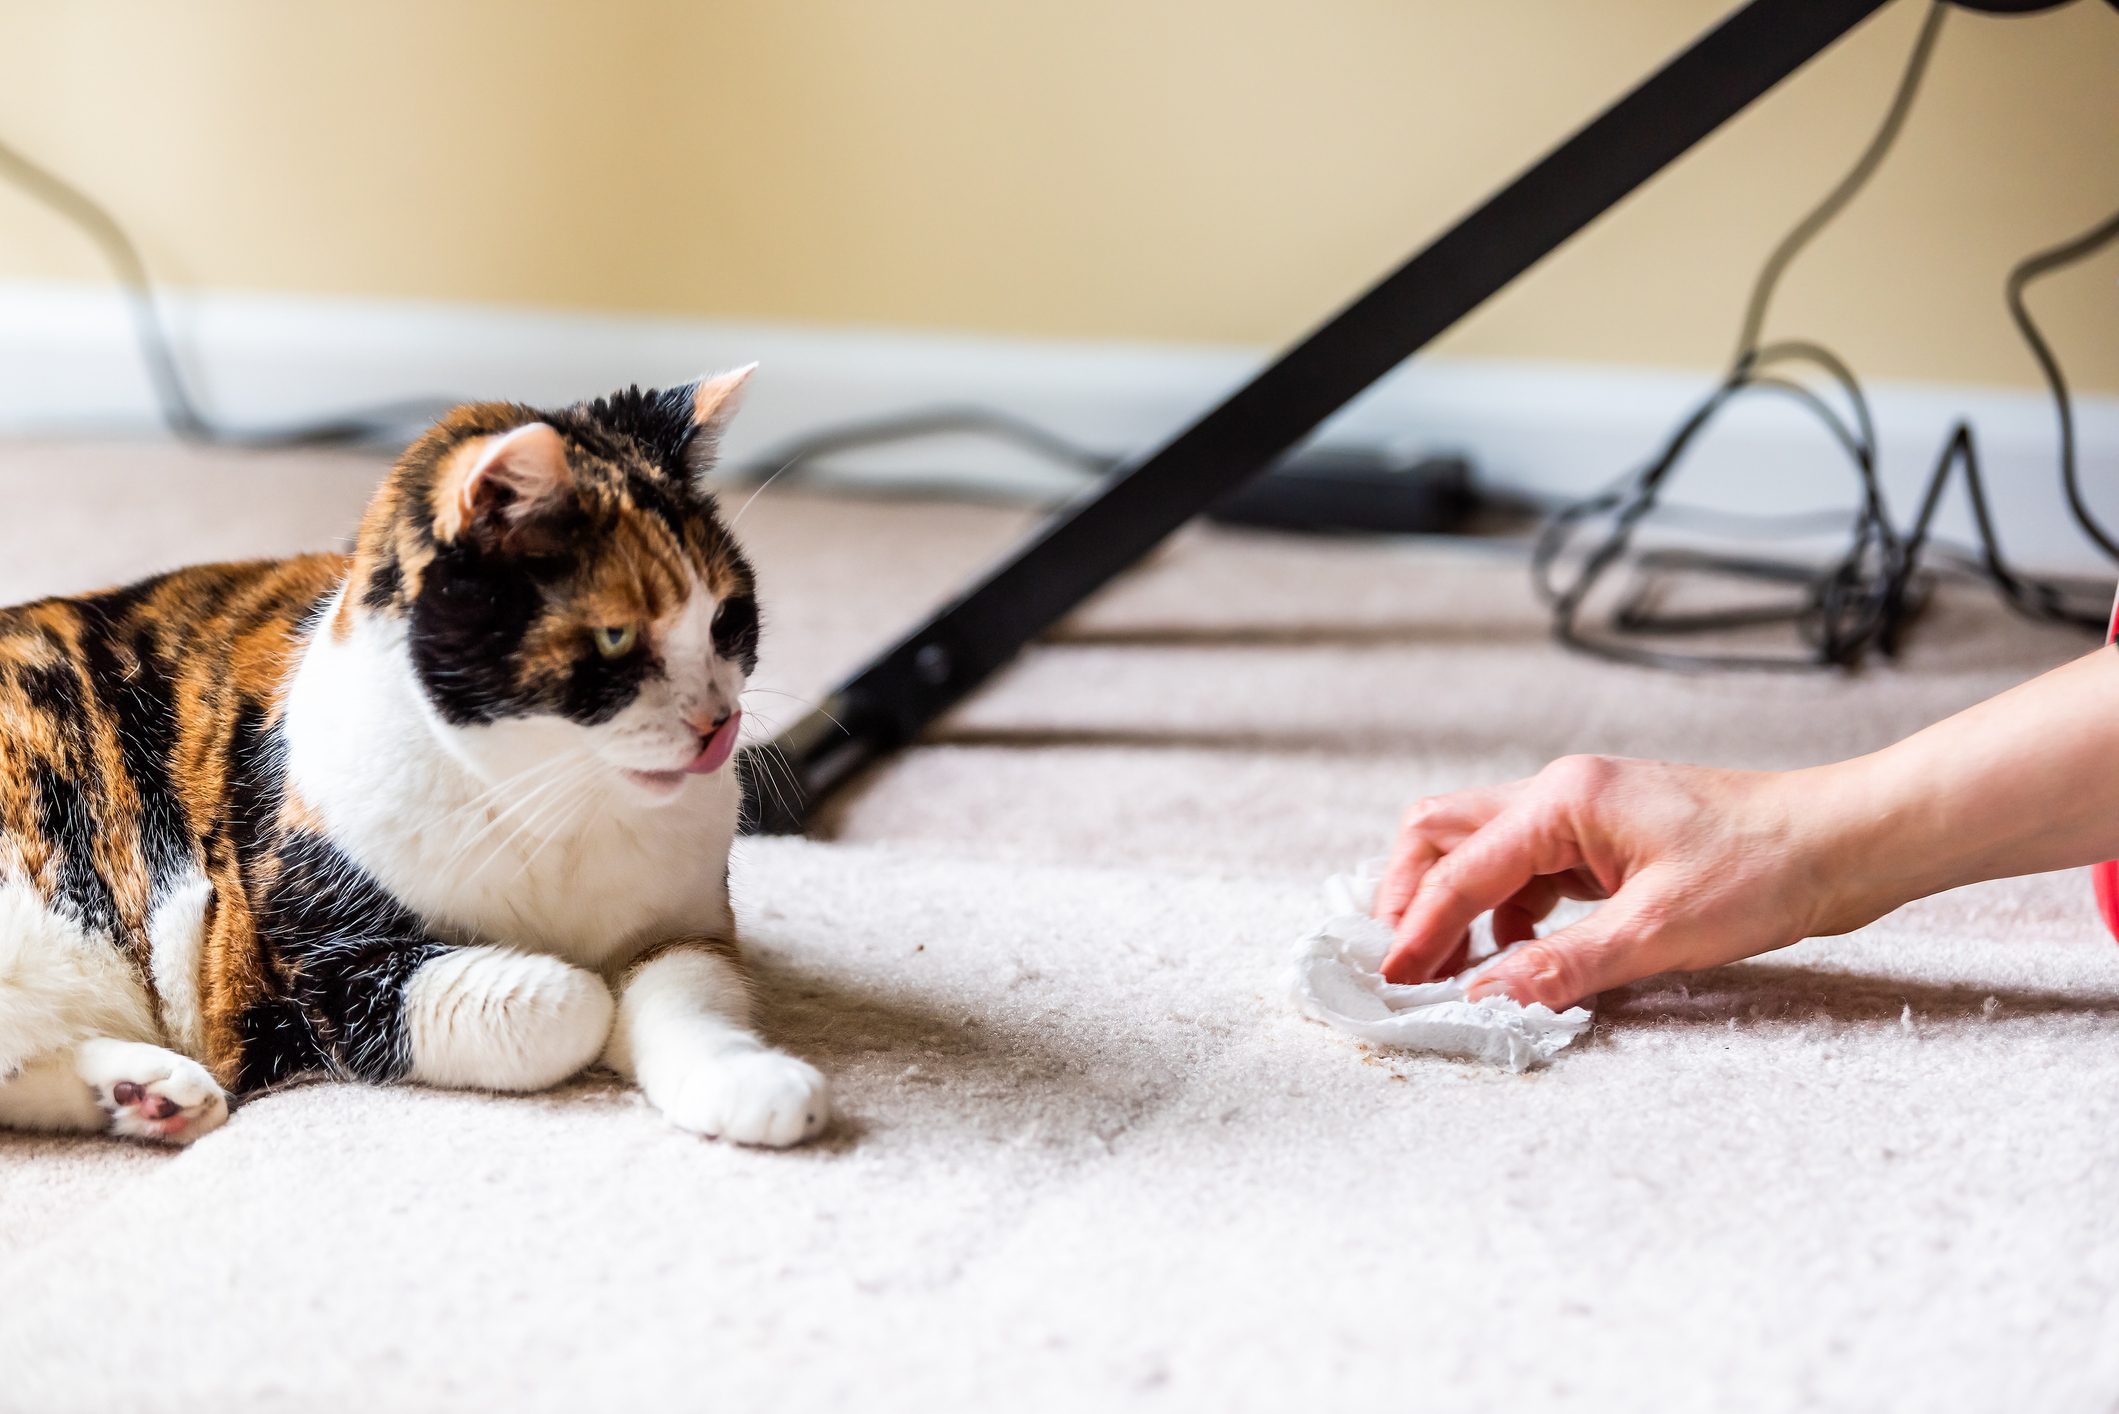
(562, 586)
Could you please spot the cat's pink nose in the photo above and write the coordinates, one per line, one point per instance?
(706, 725)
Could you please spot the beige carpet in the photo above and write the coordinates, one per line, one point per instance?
(1089, 1158)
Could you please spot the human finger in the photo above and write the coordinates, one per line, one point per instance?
(1431, 828)
(1607, 949)
(1487, 869)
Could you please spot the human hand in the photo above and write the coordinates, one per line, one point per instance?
(1699, 867)
(1694, 867)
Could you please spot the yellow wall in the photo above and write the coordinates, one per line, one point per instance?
(1218, 170)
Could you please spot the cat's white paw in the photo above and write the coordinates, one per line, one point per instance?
(492, 1018)
(750, 1095)
(152, 1093)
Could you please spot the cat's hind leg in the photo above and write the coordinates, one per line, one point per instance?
(151, 1092)
(74, 1022)
(105, 1086)
(47, 1093)
(60, 983)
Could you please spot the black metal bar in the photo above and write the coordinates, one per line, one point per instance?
(889, 702)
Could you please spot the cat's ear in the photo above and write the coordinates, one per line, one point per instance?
(503, 482)
(714, 400)
(716, 397)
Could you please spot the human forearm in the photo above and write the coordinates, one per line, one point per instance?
(2024, 782)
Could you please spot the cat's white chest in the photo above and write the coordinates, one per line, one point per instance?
(591, 890)
(555, 860)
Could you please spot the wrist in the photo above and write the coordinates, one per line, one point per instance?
(1860, 831)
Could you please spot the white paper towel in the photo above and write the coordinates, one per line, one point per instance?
(1339, 981)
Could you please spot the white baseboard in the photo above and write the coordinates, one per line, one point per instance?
(68, 363)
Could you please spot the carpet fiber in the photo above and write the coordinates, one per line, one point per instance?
(1089, 1156)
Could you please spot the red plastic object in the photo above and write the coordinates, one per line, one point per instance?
(2106, 875)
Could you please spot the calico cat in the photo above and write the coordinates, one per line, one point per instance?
(455, 809)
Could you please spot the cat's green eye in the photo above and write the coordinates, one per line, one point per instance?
(615, 641)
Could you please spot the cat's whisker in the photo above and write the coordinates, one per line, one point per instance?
(560, 783)
(538, 832)
(761, 777)
(556, 795)
(516, 780)
(773, 773)
(806, 702)
(773, 770)
(755, 768)
(566, 816)
(759, 490)
(495, 790)
(542, 776)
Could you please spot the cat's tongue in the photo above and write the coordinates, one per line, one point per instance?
(719, 747)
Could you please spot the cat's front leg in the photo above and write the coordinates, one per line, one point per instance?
(493, 1018)
(456, 1018)
(683, 1033)
(386, 1001)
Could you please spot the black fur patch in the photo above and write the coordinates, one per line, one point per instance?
(67, 794)
(68, 824)
(657, 421)
(127, 674)
(256, 767)
(466, 627)
(385, 584)
(598, 688)
(736, 630)
(346, 950)
(54, 689)
(277, 1045)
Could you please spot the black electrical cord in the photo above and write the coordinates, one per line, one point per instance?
(179, 410)
(2044, 263)
(798, 455)
(1867, 597)
(1836, 200)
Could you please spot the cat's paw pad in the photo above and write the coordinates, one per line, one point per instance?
(753, 1097)
(174, 1106)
